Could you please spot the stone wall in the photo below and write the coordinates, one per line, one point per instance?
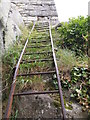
(33, 9)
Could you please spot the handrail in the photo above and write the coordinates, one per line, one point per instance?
(58, 77)
(10, 100)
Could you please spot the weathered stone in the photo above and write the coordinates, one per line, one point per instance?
(15, 15)
(1, 44)
(39, 8)
(12, 32)
(14, 21)
(37, 106)
(10, 20)
(4, 10)
(1, 37)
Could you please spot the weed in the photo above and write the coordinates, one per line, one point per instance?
(82, 61)
(9, 60)
(66, 59)
(14, 117)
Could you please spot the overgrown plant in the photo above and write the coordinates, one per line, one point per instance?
(66, 59)
(73, 35)
(80, 76)
(79, 85)
(9, 61)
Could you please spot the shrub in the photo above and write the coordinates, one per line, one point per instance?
(74, 35)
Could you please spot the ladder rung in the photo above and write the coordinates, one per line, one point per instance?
(38, 46)
(38, 60)
(40, 37)
(39, 26)
(37, 73)
(36, 53)
(39, 41)
(45, 24)
(42, 30)
(36, 93)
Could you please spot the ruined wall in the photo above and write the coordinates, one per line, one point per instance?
(31, 9)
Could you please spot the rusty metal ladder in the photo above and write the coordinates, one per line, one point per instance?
(23, 61)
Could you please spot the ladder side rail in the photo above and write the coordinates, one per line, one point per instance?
(10, 100)
(57, 73)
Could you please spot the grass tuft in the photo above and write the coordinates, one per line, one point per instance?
(66, 59)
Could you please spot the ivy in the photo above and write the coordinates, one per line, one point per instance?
(79, 85)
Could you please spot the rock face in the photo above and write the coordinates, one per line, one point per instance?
(4, 10)
(37, 9)
(13, 23)
(10, 20)
(37, 106)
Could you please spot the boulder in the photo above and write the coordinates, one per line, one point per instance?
(37, 106)
(10, 21)
(15, 15)
(4, 10)
(13, 23)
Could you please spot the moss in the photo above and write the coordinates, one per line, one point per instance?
(68, 106)
(57, 103)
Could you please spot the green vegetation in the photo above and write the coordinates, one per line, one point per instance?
(70, 41)
(9, 61)
(72, 58)
(67, 59)
(11, 57)
(81, 92)
(74, 35)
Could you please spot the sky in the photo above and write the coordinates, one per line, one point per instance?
(71, 8)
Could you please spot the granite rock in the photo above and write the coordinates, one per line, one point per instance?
(10, 21)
